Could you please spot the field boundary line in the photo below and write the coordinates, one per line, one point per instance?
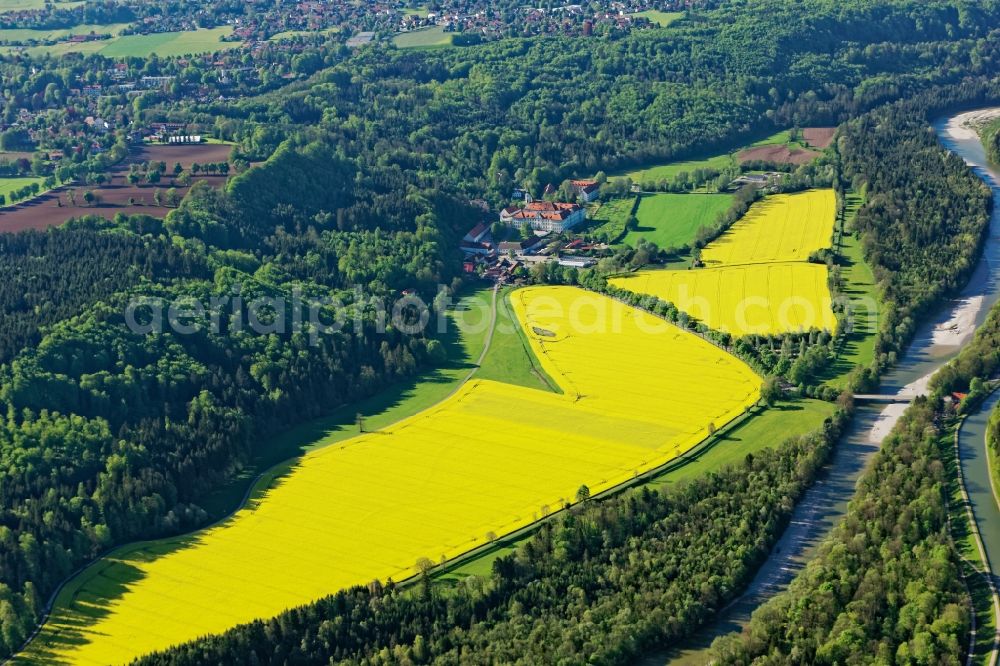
(251, 489)
(688, 457)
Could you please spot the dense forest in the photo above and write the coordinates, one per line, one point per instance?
(925, 218)
(92, 266)
(886, 584)
(534, 112)
(112, 436)
(602, 582)
(366, 173)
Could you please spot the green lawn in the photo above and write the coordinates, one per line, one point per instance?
(19, 5)
(510, 358)
(669, 171)
(673, 220)
(961, 530)
(422, 11)
(607, 221)
(859, 348)
(965, 544)
(425, 38)
(291, 34)
(164, 44)
(8, 185)
(62, 48)
(982, 602)
(464, 343)
(24, 35)
(765, 430)
(662, 18)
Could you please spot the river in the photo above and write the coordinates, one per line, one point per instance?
(937, 341)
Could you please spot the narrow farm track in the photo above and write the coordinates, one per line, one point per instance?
(253, 488)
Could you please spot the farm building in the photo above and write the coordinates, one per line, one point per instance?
(477, 234)
(528, 246)
(577, 262)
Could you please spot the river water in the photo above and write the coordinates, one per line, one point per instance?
(937, 341)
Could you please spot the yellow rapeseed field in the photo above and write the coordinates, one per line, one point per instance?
(782, 227)
(758, 278)
(741, 300)
(490, 459)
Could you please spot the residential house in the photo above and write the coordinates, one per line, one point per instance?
(587, 190)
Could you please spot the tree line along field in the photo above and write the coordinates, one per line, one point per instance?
(493, 458)
(9, 185)
(763, 429)
(757, 299)
(862, 291)
(464, 341)
(25, 35)
(776, 146)
(673, 220)
(117, 195)
(758, 280)
(779, 228)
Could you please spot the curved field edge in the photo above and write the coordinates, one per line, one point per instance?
(510, 358)
(758, 279)
(65, 635)
(465, 342)
(761, 429)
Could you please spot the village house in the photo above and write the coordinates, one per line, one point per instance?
(586, 190)
(544, 216)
